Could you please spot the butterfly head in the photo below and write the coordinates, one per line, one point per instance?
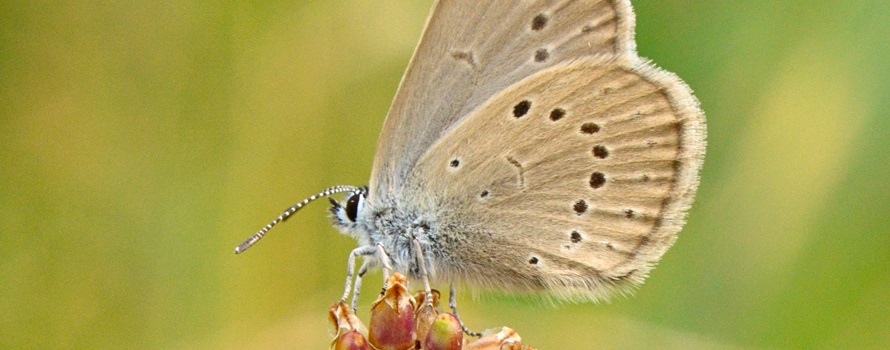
(347, 213)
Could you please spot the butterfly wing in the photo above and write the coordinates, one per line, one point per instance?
(575, 180)
(472, 49)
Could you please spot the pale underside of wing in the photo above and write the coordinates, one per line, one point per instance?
(472, 49)
(575, 180)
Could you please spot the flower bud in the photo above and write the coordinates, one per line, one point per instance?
(343, 319)
(348, 329)
(506, 339)
(400, 321)
(350, 340)
(420, 297)
(426, 312)
(445, 334)
(392, 324)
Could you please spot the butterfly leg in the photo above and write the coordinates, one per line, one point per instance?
(452, 303)
(428, 293)
(387, 265)
(357, 287)
(360, 251)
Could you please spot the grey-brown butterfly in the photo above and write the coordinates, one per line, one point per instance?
(528, 148)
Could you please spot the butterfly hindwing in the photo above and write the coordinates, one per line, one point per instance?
(471, 50)
(575, 179)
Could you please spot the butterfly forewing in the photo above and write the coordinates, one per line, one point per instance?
(574, 180)
(471, 50)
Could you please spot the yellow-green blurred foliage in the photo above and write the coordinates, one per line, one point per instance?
(141, 141)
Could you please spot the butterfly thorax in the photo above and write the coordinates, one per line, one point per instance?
(394, 227)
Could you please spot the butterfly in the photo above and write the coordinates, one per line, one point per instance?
(528, 148)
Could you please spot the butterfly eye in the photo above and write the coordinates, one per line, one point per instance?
(352, 206)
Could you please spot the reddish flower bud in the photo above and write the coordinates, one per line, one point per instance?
(350, 340)
(348, 329)
(445, 334)
(402, 322)
(426, 312)
(343, 319)
(392, 324)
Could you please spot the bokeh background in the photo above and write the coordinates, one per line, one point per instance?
(141, 141)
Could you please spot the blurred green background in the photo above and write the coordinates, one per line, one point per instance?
(141, 141)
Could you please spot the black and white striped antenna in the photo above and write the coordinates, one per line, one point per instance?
(290, 211)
